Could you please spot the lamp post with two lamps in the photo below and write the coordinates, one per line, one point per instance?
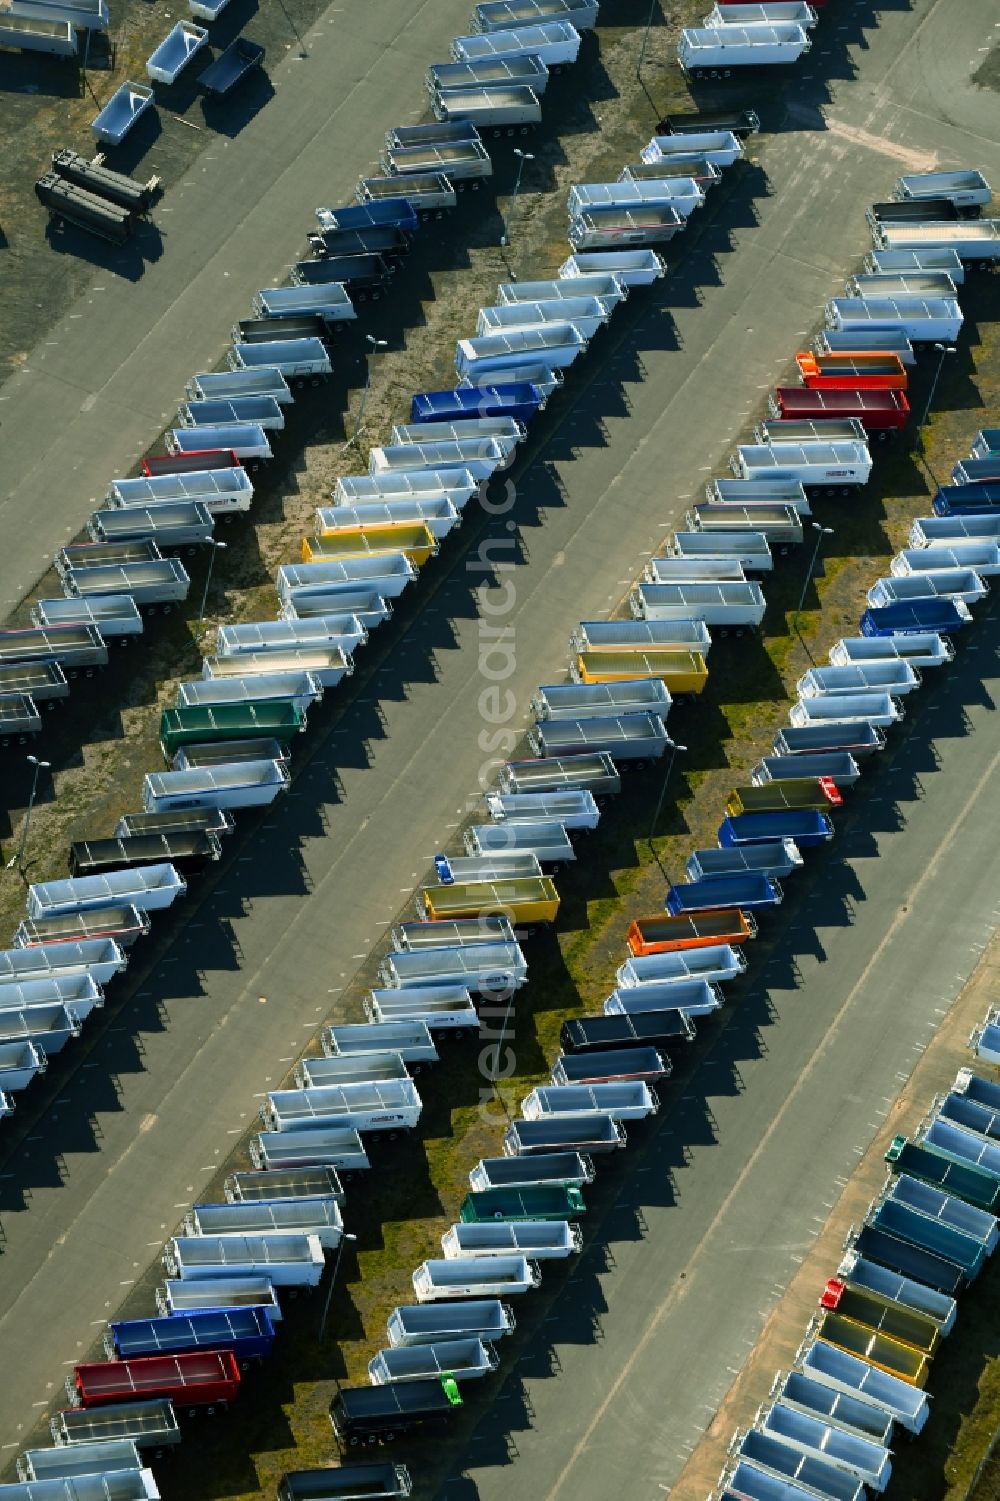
(821, 532)
(674, 748)
(332, 1284)
(373, 345)
(215, 546)
(18, 859)
(943, 351)
(522, 157)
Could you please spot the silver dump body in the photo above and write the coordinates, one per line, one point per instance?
(448, 78)
(368, 1068)
(462, 1359)
(150, 1424)
(226, 385)
(556, 43)
(580, 700)
(113, 615)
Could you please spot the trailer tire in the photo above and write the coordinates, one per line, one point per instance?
(474, 186)
(166, 609)
(884, 434)
(314, 380)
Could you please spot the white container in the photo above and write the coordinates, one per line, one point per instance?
(965, 188)
(924, 320)
(456, 485)
(714, 51)
(475, 1277)
(247, 440)
(36, 33)
(587, 314)
(896, 261)
(499, 15)
(319, 1216)
(555, 43)
(872, 708)
(387, 575)
(682, 193)
(556, 344)
(506, 431)
(622, 1100)
(983, 556)
(328, 665)
(123, 109)
(287, 1260)
(714, 963)
(773, 12)
(921, 649)
(633, 268)
(299, 688)
(540, 1240)
(480, 456)
(944, 583)
(462, 1359)
(437, 513)
(149, 887)
(595, 284)
(250, 784)
(720, 147)
(178, 47)
(446, 1008)
(343, 630)
(20, 1062)
(370, 1106)
(898, 678)
(573, 810)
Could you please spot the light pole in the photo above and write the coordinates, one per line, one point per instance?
(943, 350)
(522, 157)
(674, 748)
(645, 38)
(821, 532)
(18, 859)
(373, 345)
(332, 1284)
(214, 545)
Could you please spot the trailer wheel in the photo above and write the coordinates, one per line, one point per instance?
(166, 609)
(475, 187)
(884, 435)
(315, 380)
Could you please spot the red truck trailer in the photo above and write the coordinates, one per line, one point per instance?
(880, 413)
(861, 371)
(205, 1379)
(197, 460)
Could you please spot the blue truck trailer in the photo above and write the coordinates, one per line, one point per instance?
(750, 891)
(807, 828)
(247, 1332)
(916, 616)
(520, 400)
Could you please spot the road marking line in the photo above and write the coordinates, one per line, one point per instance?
(679, 1290)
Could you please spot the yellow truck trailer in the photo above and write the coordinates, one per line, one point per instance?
(681, 671)
(415, 539)
(526, 900)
